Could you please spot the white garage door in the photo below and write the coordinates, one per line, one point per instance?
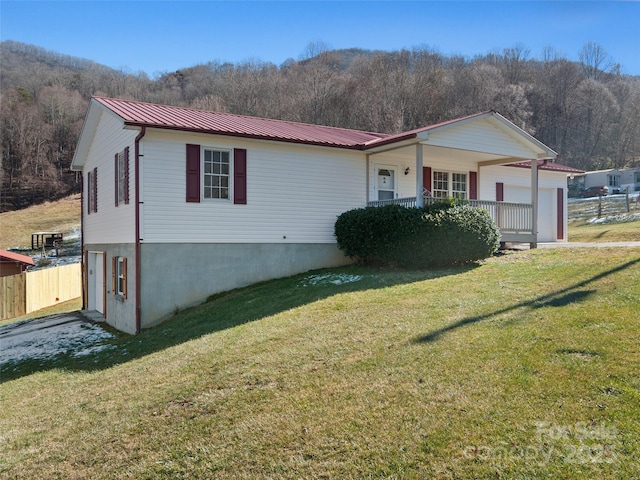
(546, 208)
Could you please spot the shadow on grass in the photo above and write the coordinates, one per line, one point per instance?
(560, 298)
(227, 310)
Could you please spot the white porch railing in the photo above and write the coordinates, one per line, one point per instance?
(511, 218)
(405, 202)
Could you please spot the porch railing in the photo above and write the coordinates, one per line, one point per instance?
(405, 202)
(511, 218)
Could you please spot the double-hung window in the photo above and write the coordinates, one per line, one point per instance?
(211, 172)
(459, 186)
(450, 184)
(440, 184)
(216, 173)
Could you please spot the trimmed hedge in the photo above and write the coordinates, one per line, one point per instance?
(437, 235)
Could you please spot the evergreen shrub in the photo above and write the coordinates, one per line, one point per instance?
(441, 234)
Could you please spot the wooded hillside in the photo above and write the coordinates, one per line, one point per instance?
(587, 111)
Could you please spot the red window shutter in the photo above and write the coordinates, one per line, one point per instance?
(426, 178)
(124, 277)
(126, 175)
(499, 192)
(473, 185)
(239, 176)
(95, 189)
(114, 280)
(117, 178)
(560, 213)
(88, 193)
(193, 173)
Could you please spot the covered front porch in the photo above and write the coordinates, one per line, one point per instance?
(469, 159)
(514, 220)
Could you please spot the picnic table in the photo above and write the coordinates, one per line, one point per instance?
(45, 240)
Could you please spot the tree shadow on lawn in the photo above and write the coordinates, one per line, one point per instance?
(560, 298)
(227, 310)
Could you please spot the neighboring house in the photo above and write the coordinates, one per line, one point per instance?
(13, 263)
(609, 178)
(616, 181)
(630, 179)
(179, 204)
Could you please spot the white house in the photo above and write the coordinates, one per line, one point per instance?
(630, 180)
(609, 178)
(179, 204)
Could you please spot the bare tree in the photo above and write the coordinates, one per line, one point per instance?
(596, 62)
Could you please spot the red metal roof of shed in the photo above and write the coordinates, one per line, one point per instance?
(179, 118)
(15, 257)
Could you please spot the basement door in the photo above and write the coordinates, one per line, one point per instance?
(96, 282)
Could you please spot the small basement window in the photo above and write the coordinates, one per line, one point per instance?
(119, 276)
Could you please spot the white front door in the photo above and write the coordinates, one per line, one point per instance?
(96, 282)
(385, 182)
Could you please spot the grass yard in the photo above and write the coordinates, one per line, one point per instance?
(526, 366)
(60, 216)
(583, 231)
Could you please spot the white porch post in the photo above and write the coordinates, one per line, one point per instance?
(419, 184)
(534, 202)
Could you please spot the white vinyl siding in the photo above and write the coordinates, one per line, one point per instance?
(488, 135)
(517, 188)
(110, 224)
(294, 193)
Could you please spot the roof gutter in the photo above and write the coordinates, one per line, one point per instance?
(143, 131)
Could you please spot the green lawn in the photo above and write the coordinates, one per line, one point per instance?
(526, 366)
(582, 231)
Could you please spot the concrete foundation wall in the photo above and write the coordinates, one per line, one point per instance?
(120, 312)
(175, 276)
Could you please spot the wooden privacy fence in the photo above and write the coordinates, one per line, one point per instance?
(13, 298)
(31, 291)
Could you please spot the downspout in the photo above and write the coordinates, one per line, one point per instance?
(83, 272)
(143, 131)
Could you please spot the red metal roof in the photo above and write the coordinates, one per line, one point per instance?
(544, 165)
(15, 257)
(188, 119)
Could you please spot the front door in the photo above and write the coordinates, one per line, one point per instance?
(385, 182)
(96, 282)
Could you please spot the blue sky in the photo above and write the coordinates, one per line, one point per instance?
(163, 36)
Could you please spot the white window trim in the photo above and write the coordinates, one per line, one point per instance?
(203, 175)
(613, 180)
(119, 276)
(450, 174)
(376, 169)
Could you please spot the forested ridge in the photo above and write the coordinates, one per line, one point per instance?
(588, 111)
